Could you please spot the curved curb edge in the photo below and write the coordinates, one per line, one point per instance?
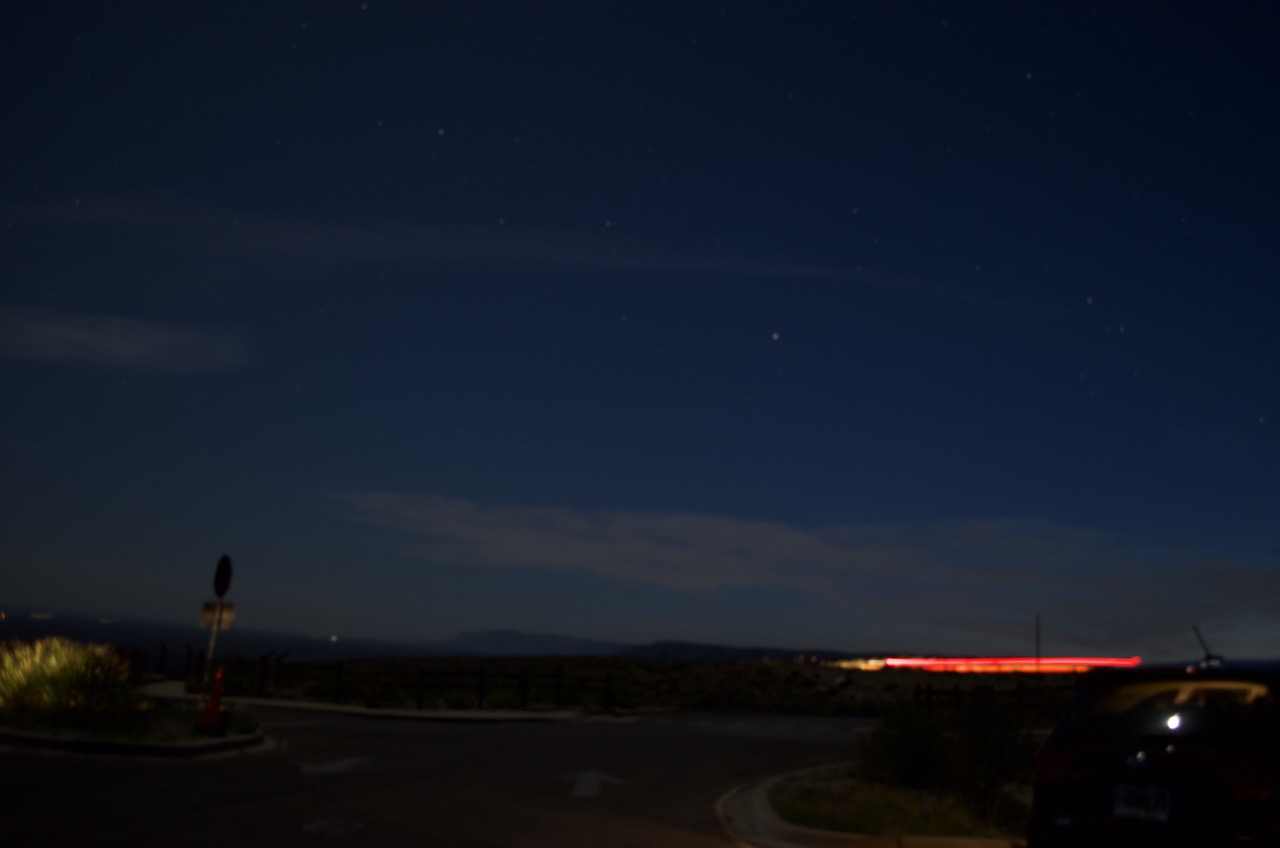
(121, 748)
(748, 818)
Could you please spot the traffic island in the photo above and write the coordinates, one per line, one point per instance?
(57, 694)
(749, 815)
(86, 744)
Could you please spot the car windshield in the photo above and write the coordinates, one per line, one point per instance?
(1206, 711)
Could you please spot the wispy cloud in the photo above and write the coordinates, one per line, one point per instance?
(970, 577)
(216, 232)
(205, 236)
(129, 343)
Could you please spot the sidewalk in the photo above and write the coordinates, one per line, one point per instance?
(747, 815)
(175, 690)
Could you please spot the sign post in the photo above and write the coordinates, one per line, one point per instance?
(221, 583)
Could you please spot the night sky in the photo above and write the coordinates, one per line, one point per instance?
(859, 325)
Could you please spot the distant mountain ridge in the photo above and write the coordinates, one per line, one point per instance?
(514, 643)
(171, 644)
(700, 652)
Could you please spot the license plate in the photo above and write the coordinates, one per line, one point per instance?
(1148, 803)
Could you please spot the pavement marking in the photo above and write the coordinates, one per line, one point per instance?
(272, 725)
(333, 766)
(333, 827)
(586, 784)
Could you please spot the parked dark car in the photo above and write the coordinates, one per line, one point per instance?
(1185, 755)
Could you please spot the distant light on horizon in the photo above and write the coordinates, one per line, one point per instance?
(859, 664)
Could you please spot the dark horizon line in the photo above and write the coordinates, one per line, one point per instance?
(29, 615)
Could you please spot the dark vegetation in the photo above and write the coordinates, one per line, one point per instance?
(958, 767)
(978, 752)
(617, 684)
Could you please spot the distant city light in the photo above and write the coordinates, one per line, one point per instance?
(859, 665)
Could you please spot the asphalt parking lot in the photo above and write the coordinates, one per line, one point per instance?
(341, 780)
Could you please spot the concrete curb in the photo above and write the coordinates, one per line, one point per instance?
(122, 748)
(748, 817)
(175, 690)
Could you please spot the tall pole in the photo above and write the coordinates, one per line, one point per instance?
(1037, 641)
(221, 582)
(213, 640)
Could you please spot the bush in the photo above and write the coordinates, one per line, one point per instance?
(842, 802)
(912, 749)
(973, 752)
(63, 682)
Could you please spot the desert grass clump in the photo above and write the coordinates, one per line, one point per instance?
(849, 803)
(973, 753)
(60, 682)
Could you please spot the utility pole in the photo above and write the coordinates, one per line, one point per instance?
(221, 583)
(1037, 641)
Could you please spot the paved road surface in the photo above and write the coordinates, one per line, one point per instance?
(336, 780)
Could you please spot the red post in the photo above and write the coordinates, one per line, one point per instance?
(212, 720)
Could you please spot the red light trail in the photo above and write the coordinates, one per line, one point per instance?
(1047, 665)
